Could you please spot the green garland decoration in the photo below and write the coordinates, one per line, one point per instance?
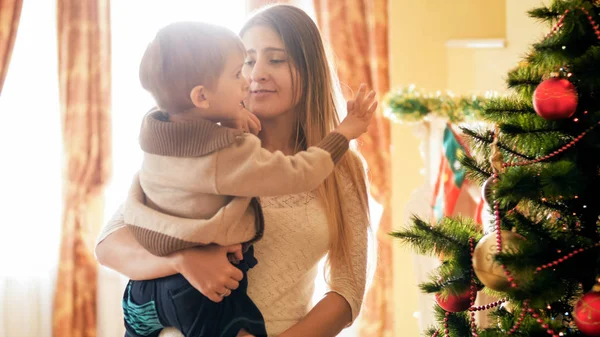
(409, 105)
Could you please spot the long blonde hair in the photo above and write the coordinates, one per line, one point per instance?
(317, 115)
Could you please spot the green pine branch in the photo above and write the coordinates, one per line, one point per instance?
(553, 181)
(528, 226)
(459, 324)
(557, 9)
(478, 171)
(529, 124)
(588, 63)
(524, 80)
(531, 145)
(498, 110)
(481, 139)
(452, 277)
(450, 237)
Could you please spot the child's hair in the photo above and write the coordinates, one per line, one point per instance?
(183, 55)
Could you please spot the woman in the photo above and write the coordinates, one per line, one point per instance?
(294, 94)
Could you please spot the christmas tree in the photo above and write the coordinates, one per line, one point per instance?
(538, 160)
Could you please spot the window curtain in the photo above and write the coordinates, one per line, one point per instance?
(357, 31)
(84, 67)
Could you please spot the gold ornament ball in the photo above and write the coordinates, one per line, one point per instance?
(488, 270)
(508, 306)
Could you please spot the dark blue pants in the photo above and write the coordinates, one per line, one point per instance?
(149, 306)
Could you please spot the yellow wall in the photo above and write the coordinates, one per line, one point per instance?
(418, 33)
(479, 70)
(419, 30)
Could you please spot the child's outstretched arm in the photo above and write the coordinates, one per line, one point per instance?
(246, 169)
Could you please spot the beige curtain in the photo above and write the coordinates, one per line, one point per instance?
(84, 83)
(357, 31)
(10, 12)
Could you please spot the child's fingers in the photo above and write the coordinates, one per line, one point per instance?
(255, 120)
(253, 127)
(367, 101)
(236, 249)
(350, 105)
(361, 93)
(370, 96)
(372, 108)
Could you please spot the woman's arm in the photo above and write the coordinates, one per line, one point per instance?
(326, 319)
(121, 252)
(207, 268)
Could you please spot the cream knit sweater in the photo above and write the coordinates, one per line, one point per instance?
(294, 241)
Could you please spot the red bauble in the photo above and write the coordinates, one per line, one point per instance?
(587, 314)
(455, 303)
(555, 98)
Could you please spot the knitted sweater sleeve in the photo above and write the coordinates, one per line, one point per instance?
(245, 169)
(350, 282)
(115, 223)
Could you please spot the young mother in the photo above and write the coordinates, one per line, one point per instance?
(294, 93)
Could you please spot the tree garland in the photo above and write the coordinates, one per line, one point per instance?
(409, 105)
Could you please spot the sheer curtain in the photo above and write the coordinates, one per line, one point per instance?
(30, 176)
(134, 23)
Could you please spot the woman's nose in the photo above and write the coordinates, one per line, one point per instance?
(259, 73)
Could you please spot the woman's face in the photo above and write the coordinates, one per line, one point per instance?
(271, 74)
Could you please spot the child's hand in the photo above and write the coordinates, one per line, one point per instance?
(360, 113)
(245, 120)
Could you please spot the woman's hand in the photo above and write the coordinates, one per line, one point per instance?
(208, 269)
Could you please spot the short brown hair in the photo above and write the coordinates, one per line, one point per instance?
(182, 56)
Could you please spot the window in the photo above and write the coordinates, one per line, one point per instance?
(30, 174)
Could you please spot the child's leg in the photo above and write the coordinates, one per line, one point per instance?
(140, 311)
(149, 306)
(154, 334)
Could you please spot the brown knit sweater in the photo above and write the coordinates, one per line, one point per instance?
(199, 182)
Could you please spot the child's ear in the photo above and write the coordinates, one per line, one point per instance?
(198, 97)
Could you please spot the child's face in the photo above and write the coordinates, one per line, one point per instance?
(231, 89)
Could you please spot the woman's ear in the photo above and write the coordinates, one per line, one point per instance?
(198, 97)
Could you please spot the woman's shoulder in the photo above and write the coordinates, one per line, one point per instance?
(352, 171)
(352, 179)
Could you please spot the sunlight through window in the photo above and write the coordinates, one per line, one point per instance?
(134, 24)
(31, 176)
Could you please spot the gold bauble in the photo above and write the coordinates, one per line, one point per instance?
(488, 270)
(508, 306)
